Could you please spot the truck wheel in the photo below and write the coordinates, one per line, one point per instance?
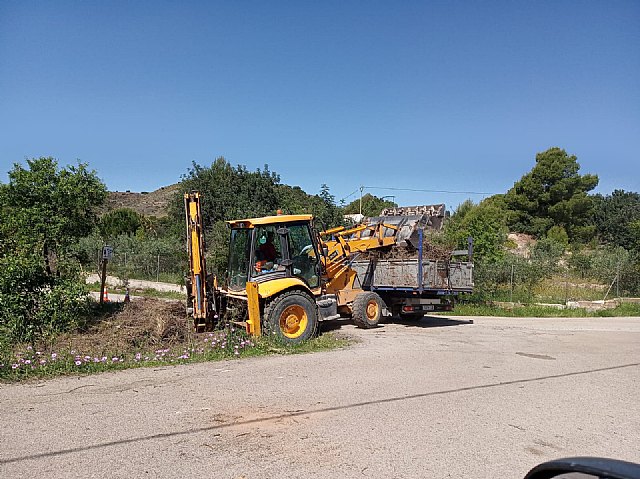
(292, 317)
(367, 310)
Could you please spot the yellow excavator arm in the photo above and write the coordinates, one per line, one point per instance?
(199, 301)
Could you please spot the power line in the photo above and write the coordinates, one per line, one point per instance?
(428, 191)
(349, 195)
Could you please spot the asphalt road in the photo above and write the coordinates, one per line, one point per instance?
(437, 398)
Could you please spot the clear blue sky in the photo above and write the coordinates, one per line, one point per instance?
(425, 95)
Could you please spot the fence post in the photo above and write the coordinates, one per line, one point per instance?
(566, 285)
(158, 270)
(511, 283)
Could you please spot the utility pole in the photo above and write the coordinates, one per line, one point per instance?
(361, 190)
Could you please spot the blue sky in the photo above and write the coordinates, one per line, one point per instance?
(455, 96)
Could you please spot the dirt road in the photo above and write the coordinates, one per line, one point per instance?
(438, 398)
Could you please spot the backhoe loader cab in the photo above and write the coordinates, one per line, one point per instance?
(271, 248)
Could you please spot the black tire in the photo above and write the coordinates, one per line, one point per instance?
(292, 317)
(367, 310)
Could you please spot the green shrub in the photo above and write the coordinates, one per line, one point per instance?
(36, 305)
(558, 235)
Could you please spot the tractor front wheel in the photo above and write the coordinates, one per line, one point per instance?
(292, 317)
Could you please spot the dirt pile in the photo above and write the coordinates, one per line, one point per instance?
(143, 324)
(430, 251)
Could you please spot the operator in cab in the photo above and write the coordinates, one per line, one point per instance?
(266, 253)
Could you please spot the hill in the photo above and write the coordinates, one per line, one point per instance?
(154, 203)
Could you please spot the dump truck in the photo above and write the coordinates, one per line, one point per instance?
(284, 276)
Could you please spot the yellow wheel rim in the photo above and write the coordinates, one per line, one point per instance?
(293, 321)
(373, 309)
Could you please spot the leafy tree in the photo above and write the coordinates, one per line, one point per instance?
(371, 205)
(485, 223)
(616, 218)
(293, 200)
(611, 262)
(229, 192)
(47, 208)
(581, 263)
(546, 253)
(123, 221)
(559, 236)
(464, 208)
(331, 214)
(44, 210)
(552, 193)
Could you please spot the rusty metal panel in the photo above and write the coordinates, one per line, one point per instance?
(404, 274)
(461, 275)
(399, 273)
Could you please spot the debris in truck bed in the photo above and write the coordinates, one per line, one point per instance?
(430, 250)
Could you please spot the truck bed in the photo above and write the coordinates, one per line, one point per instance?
(442, 277)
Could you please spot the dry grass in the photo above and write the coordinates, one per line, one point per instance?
(142, 324)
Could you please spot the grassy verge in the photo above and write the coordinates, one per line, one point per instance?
(144, 333)
(28, 362)
(625, 309)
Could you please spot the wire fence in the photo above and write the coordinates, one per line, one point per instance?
(597, 275)
(136, 265)
(555, 282)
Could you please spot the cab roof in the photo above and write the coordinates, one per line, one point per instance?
(268, 220)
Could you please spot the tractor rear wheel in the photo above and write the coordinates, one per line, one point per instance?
(367, 310)
(292, 317)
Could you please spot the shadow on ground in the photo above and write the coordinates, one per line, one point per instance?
(422, 322)
(430, 322)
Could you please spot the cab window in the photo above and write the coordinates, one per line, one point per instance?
(239, 250)
(303, 254)
(268, 254)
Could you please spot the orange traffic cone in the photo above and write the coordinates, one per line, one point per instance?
(105, 296)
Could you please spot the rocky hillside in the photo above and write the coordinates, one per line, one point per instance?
(154, 203)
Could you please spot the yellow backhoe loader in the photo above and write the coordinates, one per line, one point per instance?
(284, 276)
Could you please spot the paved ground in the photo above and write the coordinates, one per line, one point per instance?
(434, 399)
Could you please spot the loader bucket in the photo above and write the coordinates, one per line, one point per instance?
(410, 219)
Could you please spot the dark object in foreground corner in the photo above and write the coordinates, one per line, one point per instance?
(585, 467)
